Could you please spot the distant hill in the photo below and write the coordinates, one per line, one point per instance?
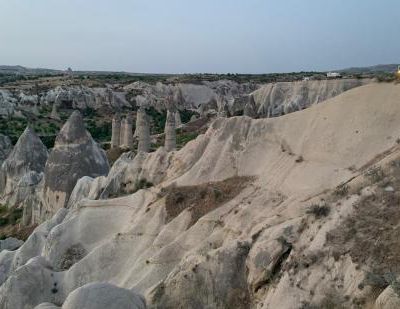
(18, 69)
(372, 69)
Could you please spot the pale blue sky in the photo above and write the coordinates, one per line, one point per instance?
(177, 36)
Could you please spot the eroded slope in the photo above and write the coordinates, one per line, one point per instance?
(264, 247)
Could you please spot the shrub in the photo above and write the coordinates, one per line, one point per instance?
(158, 119)
(143, 184)
(3, 221)
(186, 115)
(375, 174)
(342, 190)
(184, 138)
(15, 215)
(319, 211)
(299, 159)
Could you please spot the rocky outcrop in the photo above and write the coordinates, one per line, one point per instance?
(178, 121)
(223, 107)
(46, 306)
(103, 296)
(75, 154)
(54, 112)
(5, 147)
(258, 236)
(388, 299)
(170, 131)
(126, 133)
(23, 169)
(115, 132)
(250, 108)
(277, 99)
(7, 103)
(188, 96)
(81, 97)
(178, 98)
(26, 99)
(100, 295)
(143, 130)
(10, 244)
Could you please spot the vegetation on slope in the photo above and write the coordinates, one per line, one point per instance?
(370, 235)
(202, 199)
(10, 226)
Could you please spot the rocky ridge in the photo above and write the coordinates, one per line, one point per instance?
(260, 238)
(5, 147)
(221, 98)
(75, 154)
(23, 169)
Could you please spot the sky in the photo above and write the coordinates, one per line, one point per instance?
(199, 36)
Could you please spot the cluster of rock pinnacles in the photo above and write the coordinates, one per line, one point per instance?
(122, 130)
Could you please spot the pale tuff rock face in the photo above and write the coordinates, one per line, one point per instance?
(143, 130)
(170, 132)
(7, 103)
(126, 134)
(75, 154)
(27, 99)
(100, 295)
(35, 110)
(103, 296)
(21, 175)
(179, 100)
(28, 155)
(47, 306)
(250, 109)
(141, 101)
(81, 97)
(116, 132)
(178, 121)
(5, 147)
(10, 244)
(189, 96)
(261, 249)
(54, 112)
(277, 99)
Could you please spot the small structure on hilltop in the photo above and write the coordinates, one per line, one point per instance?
(69, 73)
(143, 130)
(115, 131)
(333, 75)
(170, 131)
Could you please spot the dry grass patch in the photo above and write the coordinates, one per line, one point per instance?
(371, 234)
(113, 154)
(201, 199)
(10, 225)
